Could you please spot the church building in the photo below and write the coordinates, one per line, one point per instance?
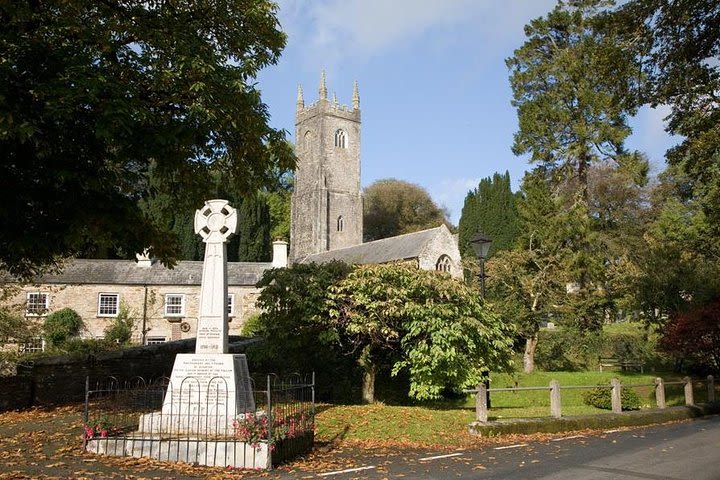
(327, 211)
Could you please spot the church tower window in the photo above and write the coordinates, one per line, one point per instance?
(340, 223)
(340, 138)
(443, 264)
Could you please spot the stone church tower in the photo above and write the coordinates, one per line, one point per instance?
(326, 202)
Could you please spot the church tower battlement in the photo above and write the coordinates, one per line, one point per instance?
(326, 201)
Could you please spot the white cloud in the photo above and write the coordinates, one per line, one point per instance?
(329, 30)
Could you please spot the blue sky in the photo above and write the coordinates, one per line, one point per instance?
(434, 89)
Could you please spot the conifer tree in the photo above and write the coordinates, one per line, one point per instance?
(490, 209)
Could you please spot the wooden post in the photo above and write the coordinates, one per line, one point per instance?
(688, 391)
(481, 408)
(555, 406)
(711, 388)
(660, 392)
(616, 395)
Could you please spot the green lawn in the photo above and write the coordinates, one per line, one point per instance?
(445, 423)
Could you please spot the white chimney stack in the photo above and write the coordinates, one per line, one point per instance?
(280, 254)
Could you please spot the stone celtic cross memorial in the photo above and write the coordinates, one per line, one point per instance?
(211, 388)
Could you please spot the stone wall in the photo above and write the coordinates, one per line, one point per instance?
(58, 380)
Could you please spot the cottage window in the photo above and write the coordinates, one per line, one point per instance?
(37, 304)
(154, 340)
(108, 304)
(231, 305)
(174, 305)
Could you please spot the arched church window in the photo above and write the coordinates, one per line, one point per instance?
(340, 139)
(340, 223)
(443, 264)
(307, 139)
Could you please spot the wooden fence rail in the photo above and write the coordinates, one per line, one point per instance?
(482, 392)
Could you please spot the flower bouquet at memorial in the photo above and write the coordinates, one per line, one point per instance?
(103, 428)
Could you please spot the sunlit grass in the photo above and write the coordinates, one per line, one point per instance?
(445, 423)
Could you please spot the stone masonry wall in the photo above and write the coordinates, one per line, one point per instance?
(58, 380)
(84, 300)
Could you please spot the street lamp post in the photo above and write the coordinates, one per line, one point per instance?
(481, 245)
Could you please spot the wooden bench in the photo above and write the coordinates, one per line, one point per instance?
(623, 364)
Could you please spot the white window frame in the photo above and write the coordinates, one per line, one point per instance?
(35, 311)
(181, 313)
(231, 305)
(100, 304)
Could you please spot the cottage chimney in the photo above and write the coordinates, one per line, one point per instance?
(143, 259)
(280, 254)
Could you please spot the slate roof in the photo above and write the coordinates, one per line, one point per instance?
(127, 272)
(401, 247)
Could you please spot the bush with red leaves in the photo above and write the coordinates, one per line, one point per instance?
(695, 335)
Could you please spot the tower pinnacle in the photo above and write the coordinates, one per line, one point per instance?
(356, 96)
(323, 87)
(300, 101)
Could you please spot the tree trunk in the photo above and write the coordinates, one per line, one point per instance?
(529, 355)
(368, 386)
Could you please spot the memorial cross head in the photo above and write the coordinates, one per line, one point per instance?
(216, 221)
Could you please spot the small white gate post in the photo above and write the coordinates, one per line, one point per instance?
(688, 391)
(616, 395)
(660, 392)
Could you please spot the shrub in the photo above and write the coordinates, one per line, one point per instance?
(61, 326)
(695, 336)
(600, 397)
(120, 331)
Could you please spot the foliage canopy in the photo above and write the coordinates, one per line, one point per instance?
(96, 96)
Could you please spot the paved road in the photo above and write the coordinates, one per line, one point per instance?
(689, 450)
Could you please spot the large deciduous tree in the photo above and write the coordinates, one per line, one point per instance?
(93, 95)
(394, 207)
(423, 322)
(679, 42)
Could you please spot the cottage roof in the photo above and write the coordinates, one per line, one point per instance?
(128, 272)
(401, 247)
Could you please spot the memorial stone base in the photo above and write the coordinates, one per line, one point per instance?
(206, 394)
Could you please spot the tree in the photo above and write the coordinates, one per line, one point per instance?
(527, 284)
(574, 84)
(423, 322)
(295, 329)
(394, 207)
(695, 335)
(679, 42)
(96, 94)
(490, 209)
(253, 230)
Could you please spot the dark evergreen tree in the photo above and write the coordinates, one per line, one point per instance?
(490, 209)
(253, 236)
